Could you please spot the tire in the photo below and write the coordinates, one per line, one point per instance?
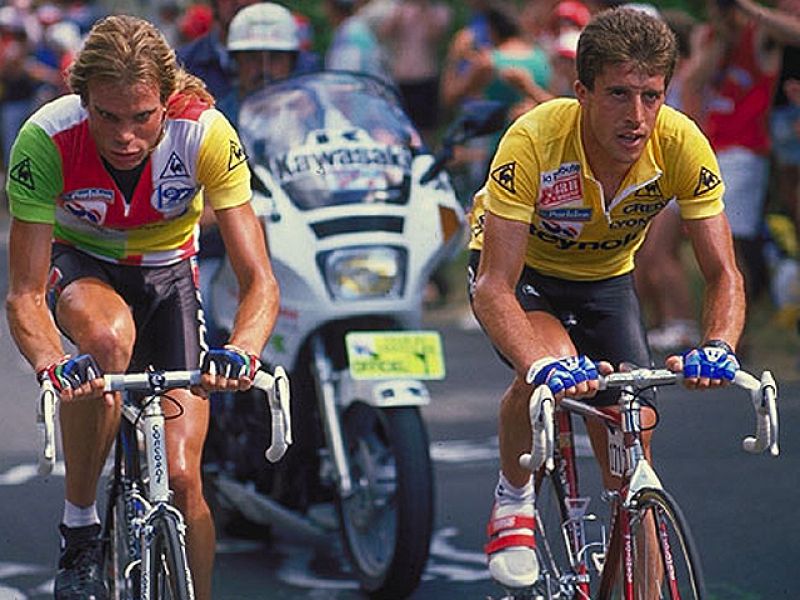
(675, 553)
(387, 521)
(169, 571)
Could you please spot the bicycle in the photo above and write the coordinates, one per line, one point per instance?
(650, 553)
(143, 533)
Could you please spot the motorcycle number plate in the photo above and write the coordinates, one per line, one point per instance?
(395, 355)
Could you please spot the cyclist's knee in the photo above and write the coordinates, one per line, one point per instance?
(186, 485)
(110, 342)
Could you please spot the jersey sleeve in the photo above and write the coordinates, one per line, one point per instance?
(222, 165)
(698, 183)
(512, 185)
(35, 178)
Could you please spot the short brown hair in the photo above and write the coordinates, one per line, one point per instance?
(131, 50)
(624, 35)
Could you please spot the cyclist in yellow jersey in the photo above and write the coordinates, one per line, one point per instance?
(106, 187)
(570, 193)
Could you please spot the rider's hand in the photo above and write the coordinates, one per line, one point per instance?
(573, 376)
(74, 378)
(711, 365)
(228, 369)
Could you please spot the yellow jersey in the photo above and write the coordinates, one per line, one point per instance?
(540, 175)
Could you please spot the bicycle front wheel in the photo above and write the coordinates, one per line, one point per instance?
(169, 572)
(665, 562)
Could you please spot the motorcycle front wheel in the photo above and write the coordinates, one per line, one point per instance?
(387, 520)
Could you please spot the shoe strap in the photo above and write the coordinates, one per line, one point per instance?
(498, 524)
(510, 541)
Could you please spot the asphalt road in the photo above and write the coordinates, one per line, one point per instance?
(742, 508)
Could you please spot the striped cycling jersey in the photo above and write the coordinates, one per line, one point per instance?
(540, 176)
(57, 177)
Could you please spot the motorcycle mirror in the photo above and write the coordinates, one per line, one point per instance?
(478, 117)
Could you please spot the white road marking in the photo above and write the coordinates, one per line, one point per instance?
(465, 451)
(22, 474)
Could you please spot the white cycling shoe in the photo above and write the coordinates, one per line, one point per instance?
(510, 551)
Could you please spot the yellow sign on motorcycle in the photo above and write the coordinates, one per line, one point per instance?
(395, 355)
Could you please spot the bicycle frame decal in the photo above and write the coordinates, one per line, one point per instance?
(666, 552)
(154, 433)
(617, 462)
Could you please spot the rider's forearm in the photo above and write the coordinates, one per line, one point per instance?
(505, 322)
(33, 331)
(256, 315)
(724, 309)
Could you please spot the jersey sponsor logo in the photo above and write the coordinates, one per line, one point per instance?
(504, 176)
(236, 156)
(706, 181)
(174, 168)
(93, 212)
(561, 229)
(561, 243)
(171, 197)
(22, 173)
(643, 208)
(477, 227)
(89, 195)
(651, 190)
(637, 214)
(565, 214)
(561, 186)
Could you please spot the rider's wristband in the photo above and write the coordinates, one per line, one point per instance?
(721, 344)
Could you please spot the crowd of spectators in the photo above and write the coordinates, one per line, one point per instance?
(738, 77)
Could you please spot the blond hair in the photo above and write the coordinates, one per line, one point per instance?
(129, 50)
(626, 35)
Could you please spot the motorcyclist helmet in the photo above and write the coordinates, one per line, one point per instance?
(264, 26)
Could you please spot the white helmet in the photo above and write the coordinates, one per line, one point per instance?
(263, 26)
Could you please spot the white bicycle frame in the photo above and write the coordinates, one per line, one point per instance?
(149, 420)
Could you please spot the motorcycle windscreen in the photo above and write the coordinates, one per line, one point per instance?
(331, 138)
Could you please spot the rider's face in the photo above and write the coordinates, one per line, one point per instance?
(125, 121)
(258, 67)
(619, 115)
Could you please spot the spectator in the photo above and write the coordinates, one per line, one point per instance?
(206, 57)
(738, 64)
(195, 22)
(414, 30)
(17, 82)
(353, 46)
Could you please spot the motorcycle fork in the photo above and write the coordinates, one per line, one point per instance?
(329, 414)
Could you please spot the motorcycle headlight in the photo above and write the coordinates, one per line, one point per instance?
(364, 273)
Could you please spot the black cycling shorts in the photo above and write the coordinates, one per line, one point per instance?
(603, 317)
(165, 304)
